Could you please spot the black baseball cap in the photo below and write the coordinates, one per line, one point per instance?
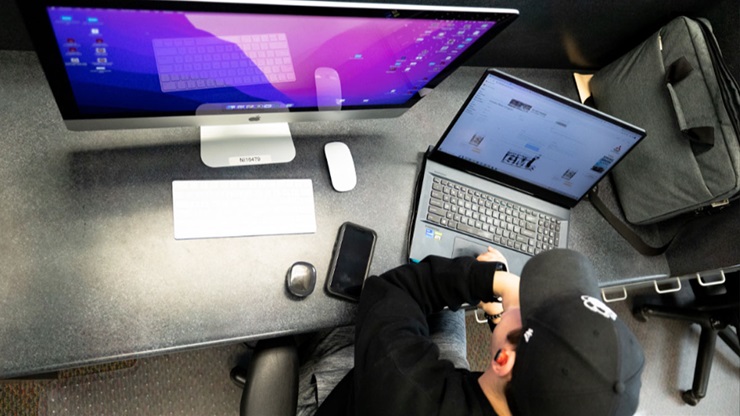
(576, 357)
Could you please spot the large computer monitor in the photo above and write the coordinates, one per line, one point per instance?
(241, 70)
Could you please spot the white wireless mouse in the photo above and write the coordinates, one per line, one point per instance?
(341, 166)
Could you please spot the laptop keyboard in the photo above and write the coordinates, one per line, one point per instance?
(490, 218)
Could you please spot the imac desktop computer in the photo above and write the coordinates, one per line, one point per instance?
(241, 70)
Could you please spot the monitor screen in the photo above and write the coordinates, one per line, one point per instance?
(123, 64)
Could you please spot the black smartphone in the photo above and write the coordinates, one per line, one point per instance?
(350, 261)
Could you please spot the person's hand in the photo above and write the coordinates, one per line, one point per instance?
(494, 309)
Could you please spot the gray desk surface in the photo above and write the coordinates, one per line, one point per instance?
(90, 271)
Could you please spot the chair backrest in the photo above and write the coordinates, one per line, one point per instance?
(271, 386)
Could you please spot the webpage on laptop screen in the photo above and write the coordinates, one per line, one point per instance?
(524, 134)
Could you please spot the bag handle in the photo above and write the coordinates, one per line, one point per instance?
(625, 231)
(675, 73)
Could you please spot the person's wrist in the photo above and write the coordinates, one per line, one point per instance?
(499, 268)
(491, 319)
(506, 287)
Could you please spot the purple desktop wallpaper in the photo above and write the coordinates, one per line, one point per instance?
(123, 62)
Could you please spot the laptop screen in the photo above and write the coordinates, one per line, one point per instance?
(523, 132)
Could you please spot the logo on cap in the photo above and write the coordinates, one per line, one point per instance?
(595, 305)
(528, 334)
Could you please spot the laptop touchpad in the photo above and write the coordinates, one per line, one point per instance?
(463, 247)
(516, 260)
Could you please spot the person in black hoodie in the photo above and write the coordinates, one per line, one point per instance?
(556, 350)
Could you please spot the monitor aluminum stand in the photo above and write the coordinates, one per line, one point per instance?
(246, 144)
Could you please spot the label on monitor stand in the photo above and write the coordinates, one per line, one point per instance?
(249, 160)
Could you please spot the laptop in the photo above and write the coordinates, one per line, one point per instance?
(510, 167)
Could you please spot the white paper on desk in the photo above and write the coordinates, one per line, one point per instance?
(240, 208)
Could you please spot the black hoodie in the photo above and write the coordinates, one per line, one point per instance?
(397, 366)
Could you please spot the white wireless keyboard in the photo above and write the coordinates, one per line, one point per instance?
(236, 208)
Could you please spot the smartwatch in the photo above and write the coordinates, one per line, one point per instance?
(498, 267)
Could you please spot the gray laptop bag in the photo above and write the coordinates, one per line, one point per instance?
(676, 86)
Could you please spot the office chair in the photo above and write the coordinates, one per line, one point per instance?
(270, 379)
(716, 309)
